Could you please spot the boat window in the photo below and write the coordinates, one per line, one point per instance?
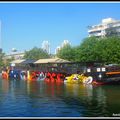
(103, 69)
(88, 70)
(98, 69)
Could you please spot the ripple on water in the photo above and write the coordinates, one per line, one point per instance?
(37, 99)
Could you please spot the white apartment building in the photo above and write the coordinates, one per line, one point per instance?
(46, 46)
(65, 42)
(57, 49)
(108, 27)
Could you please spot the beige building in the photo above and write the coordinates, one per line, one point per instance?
(15, 55)
(108, 27)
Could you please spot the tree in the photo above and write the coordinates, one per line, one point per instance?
(7, 61)
(66, 52)
(86, 51)
(1, 59)
(105, 49)
(111, 49)
(36, 53)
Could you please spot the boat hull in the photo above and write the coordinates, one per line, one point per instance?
(115, 80)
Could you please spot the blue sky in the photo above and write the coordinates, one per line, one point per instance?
(26, 25)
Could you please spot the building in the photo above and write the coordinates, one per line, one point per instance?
(57, 49)
(64, 43)
(46, 46)
(15, 56)
(108, 27)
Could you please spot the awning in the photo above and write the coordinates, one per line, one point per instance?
(17, 61)
(51, 60)
(28, 61)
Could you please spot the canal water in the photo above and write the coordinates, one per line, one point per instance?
(19, 98)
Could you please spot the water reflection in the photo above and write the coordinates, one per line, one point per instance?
(92, 99)
(76, 90)
(5, 86)
(46, 99)
(33, 87)
(53, 89)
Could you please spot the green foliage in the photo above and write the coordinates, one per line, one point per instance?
(67, 53)
(111, 49)
(105, 50)
(7, 61)
(36, 53)
(87, 50)
(1, 59)
(102, 49)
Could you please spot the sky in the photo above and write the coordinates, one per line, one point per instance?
(25, 25)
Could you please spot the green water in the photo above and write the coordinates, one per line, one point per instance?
(20, 98)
